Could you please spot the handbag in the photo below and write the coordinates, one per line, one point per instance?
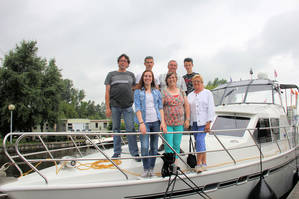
(191, 159)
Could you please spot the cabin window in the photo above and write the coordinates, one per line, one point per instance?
(259, 94)
(230, 122)
(263, 133)
(234, 95)
(275, 131)
(69, 126)
(97, 125)
(218, 96)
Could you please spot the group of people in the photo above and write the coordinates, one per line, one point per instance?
(169, 103)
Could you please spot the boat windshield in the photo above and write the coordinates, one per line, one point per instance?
(230, 122)
(251, 92)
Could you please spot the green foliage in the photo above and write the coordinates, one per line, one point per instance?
(38, 91)
(213, 84)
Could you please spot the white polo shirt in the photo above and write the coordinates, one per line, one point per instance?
(201, 107)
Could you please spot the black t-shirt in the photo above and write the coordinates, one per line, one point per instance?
(188, 81)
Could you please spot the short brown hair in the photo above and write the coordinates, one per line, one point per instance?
(168, 75)
(125, 56)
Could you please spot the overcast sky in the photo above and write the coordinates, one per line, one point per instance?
(224, 38)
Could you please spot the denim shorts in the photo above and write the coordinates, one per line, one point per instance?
(199, 137)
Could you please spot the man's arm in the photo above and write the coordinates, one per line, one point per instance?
(107, 101)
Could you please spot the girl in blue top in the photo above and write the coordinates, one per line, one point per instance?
(150, 117)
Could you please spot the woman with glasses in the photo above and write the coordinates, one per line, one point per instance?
(202, 114)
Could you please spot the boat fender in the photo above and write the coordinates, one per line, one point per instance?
(262, 191)
(69, 163)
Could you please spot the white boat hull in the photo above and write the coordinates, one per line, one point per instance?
(219, 183)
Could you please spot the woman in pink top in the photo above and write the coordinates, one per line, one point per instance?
(175, 106)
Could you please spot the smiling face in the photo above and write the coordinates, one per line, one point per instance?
(147, 78)
(149, 63)
(188, 66)
(171, 80)
(123, 63)
(172, 66)
(197, 83)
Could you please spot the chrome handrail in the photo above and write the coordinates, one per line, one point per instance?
(164, 141)
(104, 154)
(86, 134)
(76, 145)
(24, 159)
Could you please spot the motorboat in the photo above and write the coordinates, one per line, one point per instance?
(253, 137)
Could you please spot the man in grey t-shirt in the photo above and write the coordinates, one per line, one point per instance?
(119, 98)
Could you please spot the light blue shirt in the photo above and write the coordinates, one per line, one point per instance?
(140, 103)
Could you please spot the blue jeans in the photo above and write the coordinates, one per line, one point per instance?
(149, 163)
(128, 114)
(199, 137)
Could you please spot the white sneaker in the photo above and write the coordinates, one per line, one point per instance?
(204, 167)
(198, 168)
(151, 173)
(145, 174)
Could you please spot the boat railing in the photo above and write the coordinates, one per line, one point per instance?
(87, 136)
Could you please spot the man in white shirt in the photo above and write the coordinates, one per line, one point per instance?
(148, 63)
(172, 67)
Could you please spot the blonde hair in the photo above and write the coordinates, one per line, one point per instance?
(197, 76)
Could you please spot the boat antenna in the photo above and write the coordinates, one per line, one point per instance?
(251, 73)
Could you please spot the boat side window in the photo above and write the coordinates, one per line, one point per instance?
(234, 95)
(259, 94)
(217, 94)
(275, 131)
(223, 123)
(263, 133)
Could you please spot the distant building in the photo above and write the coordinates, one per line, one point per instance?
(99, 125)
(73, 125)
(82, 125)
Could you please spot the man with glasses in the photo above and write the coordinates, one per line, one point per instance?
(119, 98)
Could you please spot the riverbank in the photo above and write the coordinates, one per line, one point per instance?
(38, 146)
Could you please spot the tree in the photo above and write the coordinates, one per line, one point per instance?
(21, 78)
(38, 91)
(51, 90)
(215, 83)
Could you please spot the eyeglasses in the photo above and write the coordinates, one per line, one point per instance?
(197, 81)
(123, 60)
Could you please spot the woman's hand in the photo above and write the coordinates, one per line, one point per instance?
(163, 127)
(187, 124)
(142, 128)
(208, 127)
